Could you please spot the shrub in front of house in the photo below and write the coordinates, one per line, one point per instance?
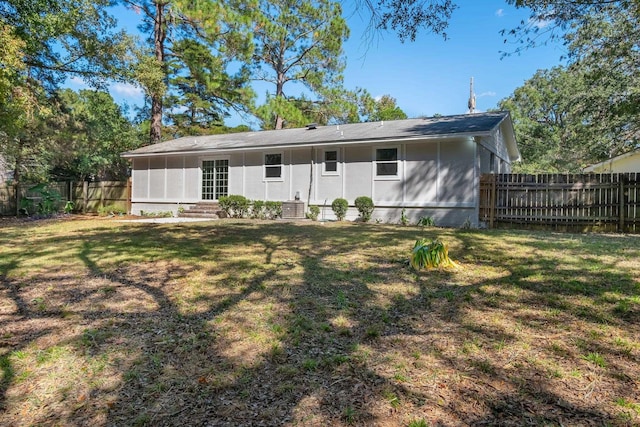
(234, 206)
(314, 212)
(111, 210)
(340, 207)
(426, 221)
(365, 207)
(257, 209)
(273, 210)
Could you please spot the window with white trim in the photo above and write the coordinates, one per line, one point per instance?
(273, 166)
(386, 162)
(330, 162)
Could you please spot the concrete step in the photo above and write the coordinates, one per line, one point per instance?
(203, 210)
(208, 205)
(189, 214)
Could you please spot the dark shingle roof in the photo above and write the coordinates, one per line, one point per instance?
(431, 127)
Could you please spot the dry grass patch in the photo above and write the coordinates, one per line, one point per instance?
(267, 323)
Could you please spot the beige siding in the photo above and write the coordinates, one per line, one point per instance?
(630, 163)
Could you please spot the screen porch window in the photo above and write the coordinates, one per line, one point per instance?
(331, 162)
(387, 162)
(273, 166)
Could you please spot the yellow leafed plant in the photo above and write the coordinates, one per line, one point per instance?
(431, 254)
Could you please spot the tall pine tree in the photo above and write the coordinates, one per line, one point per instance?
(297, 42)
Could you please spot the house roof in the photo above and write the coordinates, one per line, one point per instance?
(596, 166)
(469, 125)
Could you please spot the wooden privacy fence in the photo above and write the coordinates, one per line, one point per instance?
(86, 196)
(609, 202)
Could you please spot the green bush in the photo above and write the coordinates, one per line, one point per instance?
(340, 207)
(313, 213)
(257, 209)
(365, 207)
(273, 209)
(68, 207)
(404, 219)
(50, 201)
(111, 210)
(157, 214)
(234, 206)
(426, 221)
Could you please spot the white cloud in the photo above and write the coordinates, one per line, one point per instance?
(540, 23)
(126, 89)
(489, 93)
(77, 81)
(500, 13)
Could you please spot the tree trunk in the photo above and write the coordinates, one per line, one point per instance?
(279, 93)
(279, 121)
(159, 35)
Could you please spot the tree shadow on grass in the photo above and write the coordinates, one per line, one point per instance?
(320, 326)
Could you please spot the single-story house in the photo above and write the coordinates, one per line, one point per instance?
(427, 166)
(627, 162)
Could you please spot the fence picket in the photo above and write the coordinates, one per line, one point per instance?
(607, 201)
(87, 196)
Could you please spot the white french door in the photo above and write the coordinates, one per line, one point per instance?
(215, 179)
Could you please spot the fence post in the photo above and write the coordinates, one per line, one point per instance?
(85, 196)
(492, 200)
(102, 193)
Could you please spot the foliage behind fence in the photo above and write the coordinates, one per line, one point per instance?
(86, 196)
(599, 201)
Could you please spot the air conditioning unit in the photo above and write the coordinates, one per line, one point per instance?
(293, 209)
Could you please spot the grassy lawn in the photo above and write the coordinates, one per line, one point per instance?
(269, 323)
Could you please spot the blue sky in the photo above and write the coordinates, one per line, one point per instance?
(430, 75)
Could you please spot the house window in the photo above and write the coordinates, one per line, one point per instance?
(273, 166)
(330, 162)
(387, 162)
